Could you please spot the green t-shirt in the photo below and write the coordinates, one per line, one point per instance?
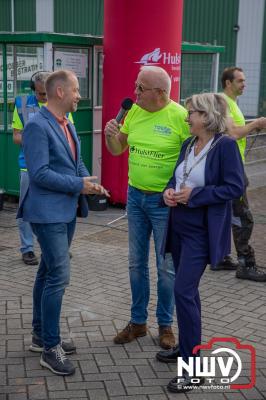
(239, 119)
(155, 140)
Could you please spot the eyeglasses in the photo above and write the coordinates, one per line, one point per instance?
(190, 112)
(142, 89)
(40, 93)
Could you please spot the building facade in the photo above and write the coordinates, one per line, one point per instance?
(239, 25)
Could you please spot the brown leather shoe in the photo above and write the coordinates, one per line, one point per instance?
(130, 332)
(166, 337)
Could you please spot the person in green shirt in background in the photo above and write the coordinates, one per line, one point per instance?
(25, 108)
(153, 131)
(233, 83)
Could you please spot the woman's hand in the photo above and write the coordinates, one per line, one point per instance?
(183, 195)
(169, 198)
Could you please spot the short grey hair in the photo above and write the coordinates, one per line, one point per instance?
(161, 78)
(215, 108)
(57, 78)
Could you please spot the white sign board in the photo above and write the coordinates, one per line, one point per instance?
(26, 66)
(75, 62)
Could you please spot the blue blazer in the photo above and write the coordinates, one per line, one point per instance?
(224, 181)
(55, 176)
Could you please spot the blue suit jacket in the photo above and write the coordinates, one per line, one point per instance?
(224, 181)
(55, 176)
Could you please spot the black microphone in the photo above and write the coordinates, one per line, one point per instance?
(125, 107)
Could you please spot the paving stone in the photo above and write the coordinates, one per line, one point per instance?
(53, 383)
(88, 367)
(145, 372)
(118, 352)
(98, 394)
(117, 368)
(3, 378)
(97, 304)
(37, 392)
(103, 359)
(26, 381)
(85, 385)
(14, 389)
(15, 345)
(17, 396)
(252, 394)
(115, 388)
(234, 396)
(144, 390)
(173, 396)
(130, 379)
(15, 371)
(205, 396)
(67, 394)
(108, 376)
(128, 397)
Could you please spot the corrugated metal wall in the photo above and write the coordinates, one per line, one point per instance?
(78, 16)
(25, 15)
(5, 15)
(212, 21)
(248, 52)
(262, 101)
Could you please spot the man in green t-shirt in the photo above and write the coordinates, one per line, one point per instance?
(233, 83)
(153, 131)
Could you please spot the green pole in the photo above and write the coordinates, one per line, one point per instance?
(4, 133)
(5, 85)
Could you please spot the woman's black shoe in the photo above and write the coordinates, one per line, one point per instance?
(168, 356)
(185, 385)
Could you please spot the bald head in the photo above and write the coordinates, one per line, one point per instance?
(158, 77)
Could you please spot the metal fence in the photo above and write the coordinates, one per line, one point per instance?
(196, 77)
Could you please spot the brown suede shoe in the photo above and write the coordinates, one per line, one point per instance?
(130, 332)
(166, 337)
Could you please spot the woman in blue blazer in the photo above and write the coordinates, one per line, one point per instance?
(208, 175)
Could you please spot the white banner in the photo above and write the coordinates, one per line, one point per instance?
(26, 66)
(75, 62)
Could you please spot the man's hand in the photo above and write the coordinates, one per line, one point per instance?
(116, 141)
(93, 188)
(239, 132)
(111, 129)
(17, 136)
(261, 123)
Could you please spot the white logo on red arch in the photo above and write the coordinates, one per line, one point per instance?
(158, 57)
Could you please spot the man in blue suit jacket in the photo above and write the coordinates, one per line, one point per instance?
(57, 177)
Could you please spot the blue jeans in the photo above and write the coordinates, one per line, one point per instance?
(51, 280)
(146, 217)
(25, 231)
